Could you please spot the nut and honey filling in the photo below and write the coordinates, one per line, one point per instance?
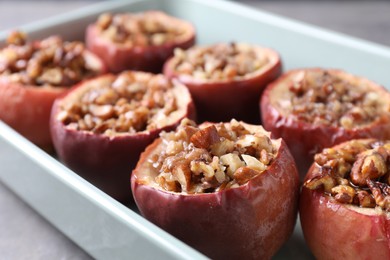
(325, 98)
(357, 173)
(212, 157)
(142, 29)
(220, 61)
(52, 61)
(129, 103)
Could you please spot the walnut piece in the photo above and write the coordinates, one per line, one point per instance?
(365, 184)
(369, 165)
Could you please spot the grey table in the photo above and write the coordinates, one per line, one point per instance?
(24, 234)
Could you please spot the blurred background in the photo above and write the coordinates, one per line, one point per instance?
(367, 19)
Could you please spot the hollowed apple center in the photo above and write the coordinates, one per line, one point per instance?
(210, 157)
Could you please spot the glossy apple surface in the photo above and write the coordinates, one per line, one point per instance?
(107, 161)
(338, 231)
(305, 139)
(150, 58)
(222, 100)
(251, 221)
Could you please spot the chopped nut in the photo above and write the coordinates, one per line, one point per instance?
(48, 62)
(253, 163)
(127, 103)
(104, 20)
(381, 193)
(212, 155)
(327, 182)
(220, 61)
(365, 199)
(198, 167)
(140, 29)
(16, 38)
(206, 137)
(369, 165)
(232, 161)
(183, 176)
(322, 97)
(244, 174)
(369, 158)
(223, 147)
(343, 193)
(52, 76)
(103, 111)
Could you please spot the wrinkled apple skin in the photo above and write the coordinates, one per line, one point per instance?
(226, 99)
(27, 110)
(336, 231)
(119, 58)
(105, 161)
(305, 139)
(248, 222)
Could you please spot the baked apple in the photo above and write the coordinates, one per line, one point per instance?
(100, 127)
(316, 108)
(226, 189)
(345, 201)
(33, 74)
(225, 80)
(138, 41)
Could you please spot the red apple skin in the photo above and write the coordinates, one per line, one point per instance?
(226, 99)
(144, 58)
(336, 231)
(27, 108)
(305, 139)
(105, 161)
(248, 222)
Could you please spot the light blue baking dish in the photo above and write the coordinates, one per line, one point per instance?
(107, 229)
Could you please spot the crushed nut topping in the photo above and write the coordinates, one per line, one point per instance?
(321, 97)
(356, 172)
(51, 61)
(141, 29)
(128, 103)
(220, 61)
(210, 158)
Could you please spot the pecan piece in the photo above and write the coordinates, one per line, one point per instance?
(182, 174)
(206, 137)
(244, 174)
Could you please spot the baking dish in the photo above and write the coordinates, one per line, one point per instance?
(104, 227)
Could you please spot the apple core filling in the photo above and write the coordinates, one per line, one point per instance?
(220, 61)
(211, 157)
(152, 28)
(50, 62)
(356, 172)
(128, 103)
(321, 97)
